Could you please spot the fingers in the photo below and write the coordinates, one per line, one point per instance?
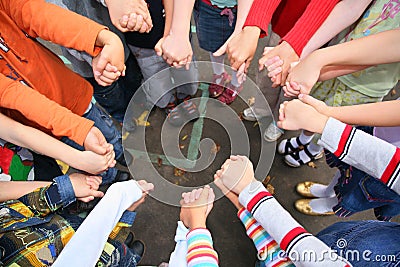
(96, 193)
(222, 50)
(291, 89)
(145, 186)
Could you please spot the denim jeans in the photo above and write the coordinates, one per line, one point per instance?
(159, 85)
(116, 97)
(364, 243)
(110, 132)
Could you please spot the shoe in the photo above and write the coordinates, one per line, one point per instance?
(125, 159)
(230, 94)
(217, 88)
(285, 147)
(122, 176)
(189, 109)
(137, 248)
(129, 239)
(294, 160)
(254, 114)
(303, 206)
(304, 189)
(174, 115)
(273, 132)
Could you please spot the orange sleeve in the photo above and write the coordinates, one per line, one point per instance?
(53, 23)
(44, 112)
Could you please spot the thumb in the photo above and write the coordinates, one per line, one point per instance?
(292, 65)
(307, 99)
(221, 51)
(96, 193)
(100, 65)
(203, 199)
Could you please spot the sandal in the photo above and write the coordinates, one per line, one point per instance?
(285, 147)
(294, 160)
(230, 94)
(217, 88)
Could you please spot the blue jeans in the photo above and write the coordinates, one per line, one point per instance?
(110, 132)
(116, 97)
(364, 243)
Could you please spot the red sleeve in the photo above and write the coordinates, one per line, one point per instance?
(260, 13)
(45, 112)
(316, 13)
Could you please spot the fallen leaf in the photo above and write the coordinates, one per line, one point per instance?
(255, 124)
(312, 165)
(185, 137)
(141, 120)
(251, 101)
(181, 146)
(267, 184)
(178, 172)
(271, 189)
(216, 148)
(393, 92)
(125, 135)
(159, 161)
(241, 116)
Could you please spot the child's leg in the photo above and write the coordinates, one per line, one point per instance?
(217, 63)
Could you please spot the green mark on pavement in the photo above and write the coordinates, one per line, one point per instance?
(65, 60)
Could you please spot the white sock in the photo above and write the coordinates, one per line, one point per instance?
(322, 205)
(304, 139)
(320, 190)
(234, 80)
(314, 148)
(217, 64)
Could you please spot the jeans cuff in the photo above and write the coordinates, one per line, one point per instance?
(65, 189)
(128, 217)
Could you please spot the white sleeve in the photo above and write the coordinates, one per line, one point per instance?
(89, 240)
(178, 256)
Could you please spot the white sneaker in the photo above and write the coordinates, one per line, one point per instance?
(273, 132)
(254, 114)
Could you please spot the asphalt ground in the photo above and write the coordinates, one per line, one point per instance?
(156, 221)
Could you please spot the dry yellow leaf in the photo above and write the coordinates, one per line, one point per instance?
(312, 165)
(185, 137)
(216, 148)
(178, 172)
(251, 101)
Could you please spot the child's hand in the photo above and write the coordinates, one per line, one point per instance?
(273, 65)
(296, 115)
(93, 163)
(85, 187)
(236, 173)
(229, 194)
(196, 206)
(242, 47)
(146, 188)
(135, 23)
(158, 47)
(304, 73)
(109, 64)
(120, 10)
(177, 50)
(96, 142)
(287, 54)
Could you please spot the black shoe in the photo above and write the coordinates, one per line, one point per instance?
(138, 248)
(129, 239)
(125, 159)
(122, 176)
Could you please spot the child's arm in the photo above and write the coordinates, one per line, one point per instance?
(38, 141)
(176, 48)
(169, 9)
(364, 51)
(354, 147)
(243, 8)
(296, 39)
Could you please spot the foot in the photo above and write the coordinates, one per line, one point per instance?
(316, 207)
(122, 176)
(137, 248)
(216, 88)
(174, 114)
(290, 145)
(189, 109)
(302, 157)
(230, 94)
(254, 114)
(313, 190)
(273, 133)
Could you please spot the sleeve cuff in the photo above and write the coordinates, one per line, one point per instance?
(254, 194)
(128, 217)
(65, 190)
(181, 232)
(332, 134)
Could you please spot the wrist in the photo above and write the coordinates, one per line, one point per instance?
(106, 37)
(241, 186)
(319, 123)
(197, 225)
(252, 31)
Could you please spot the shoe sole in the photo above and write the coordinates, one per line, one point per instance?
(320, 155)
(266, 138)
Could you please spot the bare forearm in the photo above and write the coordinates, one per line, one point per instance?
(15, 190)
(169, 9)
(374, 114)
(343, 15)
(330, 72)
(243, 10)
(363, 51)
(181, 16)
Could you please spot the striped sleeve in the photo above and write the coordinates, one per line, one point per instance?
(288, 233)
(200, 249)
(368, 153)
(267, 248)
